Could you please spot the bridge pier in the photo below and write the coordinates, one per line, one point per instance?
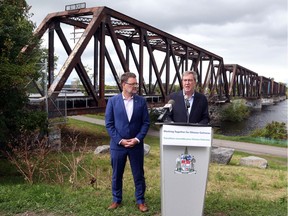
(54, 137)
(255, 104)
(277, 99)
(267, 101)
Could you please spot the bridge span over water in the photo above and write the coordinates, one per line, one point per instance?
(120, 43)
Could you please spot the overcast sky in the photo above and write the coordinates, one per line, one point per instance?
(251, 33)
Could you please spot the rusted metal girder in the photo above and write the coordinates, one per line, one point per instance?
(269, 88)
(265, 89)
(242, 82)
(159, 58)
(278, 89)
(282, 88)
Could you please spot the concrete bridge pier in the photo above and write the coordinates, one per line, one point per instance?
(267, 101)
(54, 137)
(255, 104)
(277, 99)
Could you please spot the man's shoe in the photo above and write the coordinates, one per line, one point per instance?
(114, 205)
(143, 207)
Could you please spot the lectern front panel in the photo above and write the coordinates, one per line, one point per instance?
(184, 169)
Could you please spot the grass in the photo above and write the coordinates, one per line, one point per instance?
(98, 116)
(231, 190)
(248, 139)
(256, 140)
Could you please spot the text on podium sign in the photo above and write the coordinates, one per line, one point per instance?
(186, 136)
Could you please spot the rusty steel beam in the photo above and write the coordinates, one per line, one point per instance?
(127, 34)
(74, 56)
(275, 88)
(282, 89)
(265, 87)
(242, 81)
(80, 69)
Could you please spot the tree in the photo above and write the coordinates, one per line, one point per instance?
(16, 31)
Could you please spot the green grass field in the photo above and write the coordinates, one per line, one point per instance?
(78, 182)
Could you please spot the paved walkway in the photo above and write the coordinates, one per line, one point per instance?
(239, 146)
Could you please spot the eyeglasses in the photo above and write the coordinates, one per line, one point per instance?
(188, 80)
(133, 84)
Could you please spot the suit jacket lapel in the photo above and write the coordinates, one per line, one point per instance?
(182, 102)
(135, 104)
(195, 102)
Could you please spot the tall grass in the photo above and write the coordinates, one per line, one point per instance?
(231, 190)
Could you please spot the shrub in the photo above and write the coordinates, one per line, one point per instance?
(236, 111)
(275, 130)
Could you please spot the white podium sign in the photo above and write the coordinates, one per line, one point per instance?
(186, 136)
(185, 155)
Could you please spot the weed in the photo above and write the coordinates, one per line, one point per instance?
(29, 154)
(254, 185)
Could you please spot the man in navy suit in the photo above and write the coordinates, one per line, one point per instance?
(189, 106)
(127, 122)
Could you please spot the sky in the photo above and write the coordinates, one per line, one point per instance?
(250, 33)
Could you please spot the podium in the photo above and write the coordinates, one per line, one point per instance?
(185, 155)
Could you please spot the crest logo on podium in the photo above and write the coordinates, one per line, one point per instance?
(185, 163)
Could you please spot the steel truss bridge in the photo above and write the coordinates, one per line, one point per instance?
(121, 43)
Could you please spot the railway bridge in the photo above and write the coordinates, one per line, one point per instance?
(117, 43)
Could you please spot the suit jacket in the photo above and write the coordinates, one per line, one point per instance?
(199, 111)
(118, 125)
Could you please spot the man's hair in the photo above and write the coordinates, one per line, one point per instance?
(125, 76)
(195, 75)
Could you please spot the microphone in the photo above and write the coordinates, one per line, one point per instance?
(167, 108)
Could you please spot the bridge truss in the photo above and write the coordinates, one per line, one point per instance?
(157, 57)
(119, 44)
(244, 83)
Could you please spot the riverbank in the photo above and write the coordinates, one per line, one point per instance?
(257, 119)
(239, 146)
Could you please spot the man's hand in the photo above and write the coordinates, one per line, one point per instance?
(129, 143)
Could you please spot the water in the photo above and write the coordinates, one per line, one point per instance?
(257, 119)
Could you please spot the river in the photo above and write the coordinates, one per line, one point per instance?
(257, 119)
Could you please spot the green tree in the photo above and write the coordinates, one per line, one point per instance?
(16, 31)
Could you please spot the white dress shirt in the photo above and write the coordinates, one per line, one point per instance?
(128, 106)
